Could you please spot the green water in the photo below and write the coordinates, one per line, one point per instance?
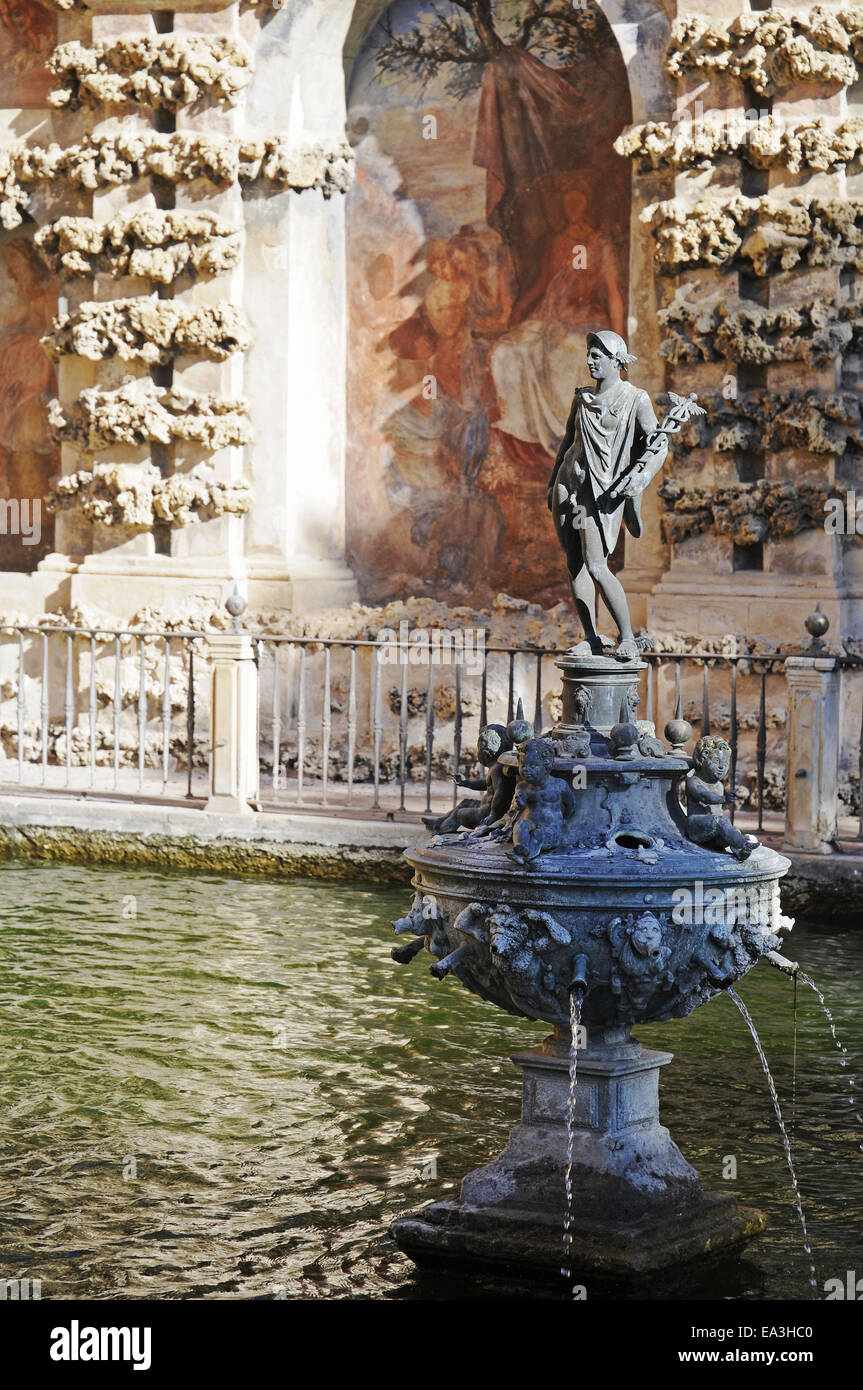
(232, 1092)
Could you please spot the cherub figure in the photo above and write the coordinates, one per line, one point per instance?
(497, 787)
(542, 802)
(705, 797)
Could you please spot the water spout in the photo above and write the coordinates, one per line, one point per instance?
(578, 983)
(788, 967)
(443, 967)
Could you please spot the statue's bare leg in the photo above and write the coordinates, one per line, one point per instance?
(611, 590)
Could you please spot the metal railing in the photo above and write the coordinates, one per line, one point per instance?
(122, 711)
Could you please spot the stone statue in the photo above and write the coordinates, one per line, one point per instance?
(612, 449)
(497, 787)
(542, 802)
(705, 797)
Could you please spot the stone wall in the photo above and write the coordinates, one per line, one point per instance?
(181, 168)
(756, 252)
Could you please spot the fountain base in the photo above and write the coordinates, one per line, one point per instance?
(638, 1206)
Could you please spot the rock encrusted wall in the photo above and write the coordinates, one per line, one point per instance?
(758, 250)
(100, 162)
(772, 51)
(122, 494)
(164, 72)
(142, 413)
(149, 330)
(153, 161)
(153, 245)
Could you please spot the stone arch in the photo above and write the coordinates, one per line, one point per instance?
(641, 33)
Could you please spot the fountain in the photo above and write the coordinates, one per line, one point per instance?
(593, 901)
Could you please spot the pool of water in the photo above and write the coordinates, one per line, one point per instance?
(224, 1088)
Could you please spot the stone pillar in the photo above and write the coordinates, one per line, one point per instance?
(812, 763)
(234, 772)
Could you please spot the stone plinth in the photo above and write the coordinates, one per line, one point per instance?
(812, 764)
(598, 692)
(638, 1206)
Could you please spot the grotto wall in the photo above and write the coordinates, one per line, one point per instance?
(177, 184)
(756, 250)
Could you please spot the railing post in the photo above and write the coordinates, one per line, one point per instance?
(234, 767)
(812, 761)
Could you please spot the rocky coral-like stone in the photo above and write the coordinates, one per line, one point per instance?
(816, 332)
(771, 50)
(135, 496)
(813, 142)
(745, 513)
(148, 330)
(142, 413)
(178, 500)
(771, 234)
(104, 161)
(150, 243)
(768, 421)
(164, 71)
(111, 494)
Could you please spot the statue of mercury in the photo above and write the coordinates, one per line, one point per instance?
(612, 449)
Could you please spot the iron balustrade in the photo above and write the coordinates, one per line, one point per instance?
(93, 710)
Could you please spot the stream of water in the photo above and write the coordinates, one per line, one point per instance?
(575, 1002)
(786, 1144)
(225, 1088)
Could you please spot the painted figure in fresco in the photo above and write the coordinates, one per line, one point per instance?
(706, 796)
(612, 449)
(542, 802)
(497, 787)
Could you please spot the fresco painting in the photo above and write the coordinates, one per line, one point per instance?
(488, 234)
(28, 292)
(28, 33)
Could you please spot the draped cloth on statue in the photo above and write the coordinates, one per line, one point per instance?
(607, 439)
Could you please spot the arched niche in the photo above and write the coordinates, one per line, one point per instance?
(419, 521)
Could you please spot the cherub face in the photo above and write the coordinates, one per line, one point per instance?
(534, 760)
(712, 760)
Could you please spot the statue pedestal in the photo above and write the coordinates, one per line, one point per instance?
(638, 1206)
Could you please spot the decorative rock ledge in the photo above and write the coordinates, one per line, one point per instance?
(136, 496)
(771, 50)
(810, 232)
(745, 513)
(148, 330)
(165, 71)
(816, 332)
(105, 161)
(142, 413)
(153, 244)
(770, 421)
(814, 142)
